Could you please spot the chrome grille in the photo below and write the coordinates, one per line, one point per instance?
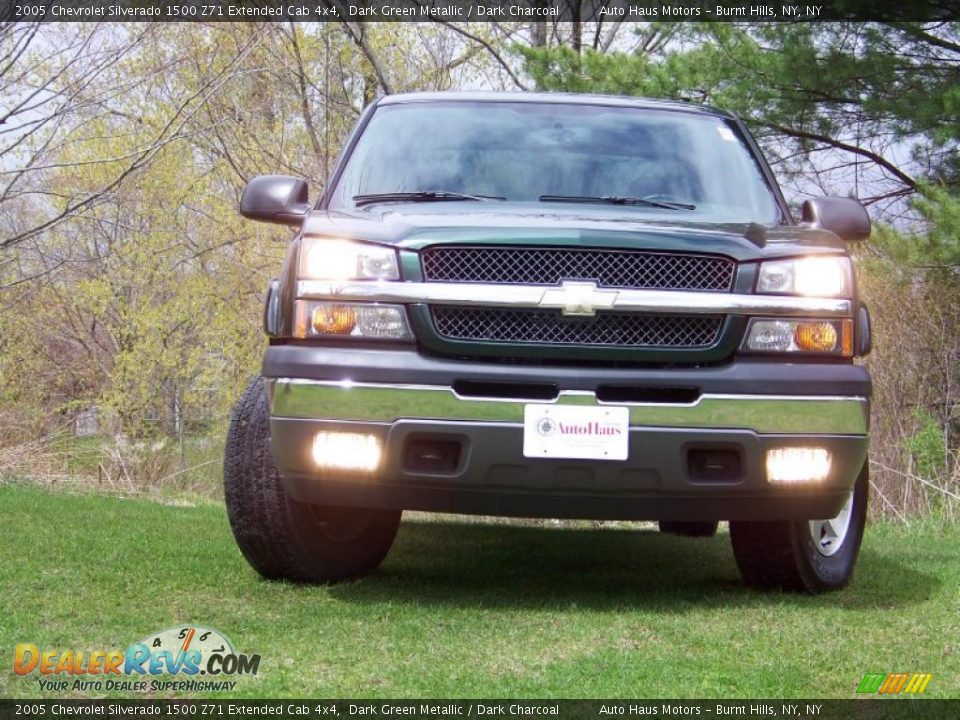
(549, 266)
(551, 328)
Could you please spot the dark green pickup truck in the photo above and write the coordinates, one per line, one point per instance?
(565, 306)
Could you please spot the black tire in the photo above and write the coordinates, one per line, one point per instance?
(784, 555)
(281, 538)
(689, 528)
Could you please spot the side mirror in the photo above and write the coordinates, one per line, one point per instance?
(276, 199)
(844, 216)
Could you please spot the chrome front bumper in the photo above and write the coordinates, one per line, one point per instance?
(492, 476)
(387, 403)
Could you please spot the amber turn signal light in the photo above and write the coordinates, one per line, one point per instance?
(333, 320)
(358, 321)
(815, 336)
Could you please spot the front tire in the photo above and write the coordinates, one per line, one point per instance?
(803, 556)
(284, 539)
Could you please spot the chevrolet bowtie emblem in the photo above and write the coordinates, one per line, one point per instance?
(581, 299)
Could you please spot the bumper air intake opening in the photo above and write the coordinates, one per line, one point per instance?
(715, 465)
(506, 390)
(434, 456)
(640, 394)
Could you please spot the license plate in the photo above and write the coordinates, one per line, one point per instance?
(580, 433)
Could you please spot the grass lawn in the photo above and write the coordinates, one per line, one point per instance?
(477, 610)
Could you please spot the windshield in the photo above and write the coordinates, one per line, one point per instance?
(523, 151)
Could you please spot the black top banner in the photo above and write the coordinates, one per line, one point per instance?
(476, 10)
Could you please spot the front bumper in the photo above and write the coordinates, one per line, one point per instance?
(488, 474)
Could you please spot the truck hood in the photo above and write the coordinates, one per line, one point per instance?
(416, 225)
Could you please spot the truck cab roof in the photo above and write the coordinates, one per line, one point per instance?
(554, 98)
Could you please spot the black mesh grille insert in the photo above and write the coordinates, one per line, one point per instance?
(550, 327)
(607, 268)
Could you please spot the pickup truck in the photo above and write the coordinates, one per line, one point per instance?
(563, 306)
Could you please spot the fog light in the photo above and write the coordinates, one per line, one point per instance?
(798, 464)
(347, 451)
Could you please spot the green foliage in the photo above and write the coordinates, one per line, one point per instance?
(934, 253)
(915, 366)
(818, 76)
(859, 89)
(941, 246)
(927, 446)
(148, 301)
(148, 304)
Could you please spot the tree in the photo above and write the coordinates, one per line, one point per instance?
(129, 280)
(867, 108)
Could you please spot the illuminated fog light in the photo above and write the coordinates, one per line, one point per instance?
(347, 451)
(798, 464)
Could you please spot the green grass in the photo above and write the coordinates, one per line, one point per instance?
(478, 610)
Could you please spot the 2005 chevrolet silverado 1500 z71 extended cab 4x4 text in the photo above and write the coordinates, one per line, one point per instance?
(555, 306)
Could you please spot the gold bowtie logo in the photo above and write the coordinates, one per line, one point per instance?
(580, 299)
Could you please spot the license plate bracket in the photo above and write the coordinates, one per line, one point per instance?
(576, 432)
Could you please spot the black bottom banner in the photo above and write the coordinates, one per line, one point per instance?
(892, 709)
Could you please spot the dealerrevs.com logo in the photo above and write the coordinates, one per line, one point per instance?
(184, 653)
(894, 683)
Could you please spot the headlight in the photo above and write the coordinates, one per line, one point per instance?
(329, 259)
(353, 320)
(825, 337)
(823, 276)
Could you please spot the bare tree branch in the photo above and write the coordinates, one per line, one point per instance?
(494, 53)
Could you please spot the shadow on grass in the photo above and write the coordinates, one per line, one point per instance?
(456, 564)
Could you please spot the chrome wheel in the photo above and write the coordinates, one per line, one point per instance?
(828, 535)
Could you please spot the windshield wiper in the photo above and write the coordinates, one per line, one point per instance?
(419, 196)
(616, 200)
